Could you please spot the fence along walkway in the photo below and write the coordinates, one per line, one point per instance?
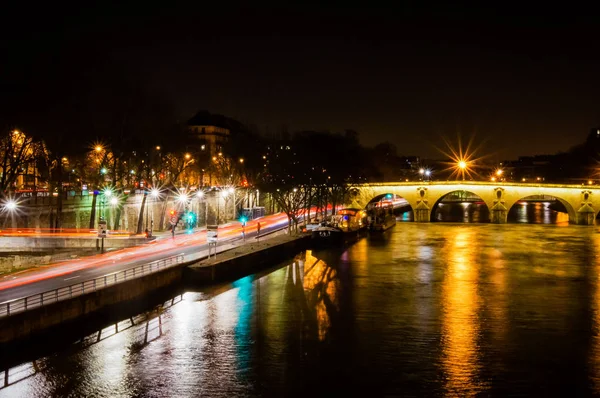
(15, 306)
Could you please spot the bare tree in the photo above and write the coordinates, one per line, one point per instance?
(293, 202)
(17, 151)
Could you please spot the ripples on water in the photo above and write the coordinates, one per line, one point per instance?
(422, 310)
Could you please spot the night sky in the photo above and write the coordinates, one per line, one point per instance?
(523, 81)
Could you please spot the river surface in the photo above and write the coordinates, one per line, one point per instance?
(439, 309)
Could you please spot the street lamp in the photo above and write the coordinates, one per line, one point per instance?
(182, 197)
(155, 193)
(462, 166)
(10, 205)
(114, 201)
(428, 174)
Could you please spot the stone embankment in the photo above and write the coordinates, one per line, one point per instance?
(245, 259)
(236, 262)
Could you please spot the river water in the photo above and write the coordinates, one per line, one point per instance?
(439, 309)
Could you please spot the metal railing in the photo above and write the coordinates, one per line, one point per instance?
(22, 304)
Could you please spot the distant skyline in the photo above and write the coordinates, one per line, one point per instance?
(523, 84)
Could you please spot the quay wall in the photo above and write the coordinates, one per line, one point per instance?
(29, 323)
(26, 325)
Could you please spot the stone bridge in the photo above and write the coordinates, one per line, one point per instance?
(581, 201)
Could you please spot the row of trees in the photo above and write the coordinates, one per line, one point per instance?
(300, 170)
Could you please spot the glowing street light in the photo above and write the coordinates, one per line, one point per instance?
(427, 173)
(230, 190)
(155, 193)
(241, 160)
(98, 148)
(114, 201)
(158, 147)
(462, 164)
(421, 171)
(499, 172)
(10, 205)
(188, 156)
(103, 171)
(182, 197)
(200, 194)
(107, 192)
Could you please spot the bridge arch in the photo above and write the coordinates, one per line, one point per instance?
(467, 201)
(582, 202)
(535, 200)
(399, 203)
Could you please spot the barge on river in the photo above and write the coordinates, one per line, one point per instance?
(345, 224)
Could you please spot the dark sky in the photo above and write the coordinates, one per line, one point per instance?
(524, 81)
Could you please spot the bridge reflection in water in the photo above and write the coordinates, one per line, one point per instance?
(420, 310)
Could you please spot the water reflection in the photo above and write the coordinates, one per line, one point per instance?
(460, 323)
(426, 310)
(536, 213)
(461, 212)
(321, 288)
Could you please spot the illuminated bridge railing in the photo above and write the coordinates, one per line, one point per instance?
(23, 304)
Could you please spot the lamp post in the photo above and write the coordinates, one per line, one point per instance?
(154, 193)
(11, 206)
(224, 194)
(428, 174)
(232, 192)
(200, 195)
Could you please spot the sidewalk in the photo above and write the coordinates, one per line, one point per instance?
(245, 259)
(233, 250)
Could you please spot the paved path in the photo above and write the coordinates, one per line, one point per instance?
(192, 245)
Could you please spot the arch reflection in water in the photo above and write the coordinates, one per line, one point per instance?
(531, 210)
(460, 206)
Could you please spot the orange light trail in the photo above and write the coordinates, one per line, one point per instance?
(150, 250)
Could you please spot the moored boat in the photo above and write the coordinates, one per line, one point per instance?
(381, 215)
(327, 234)
(347, 222)
(383, 223)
